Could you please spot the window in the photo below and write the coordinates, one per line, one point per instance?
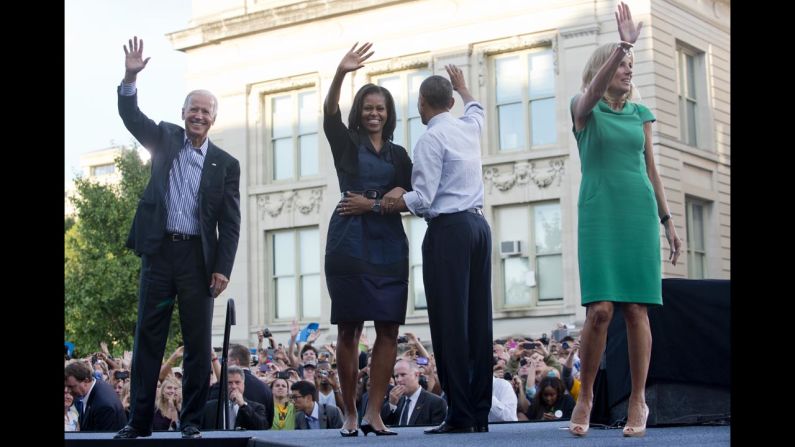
(531, 253)
(415, 231)
(295, 260)
(524, 85)
(405, 89)
(696, 246)
(691, 86)
(105, 169)
(293, 120)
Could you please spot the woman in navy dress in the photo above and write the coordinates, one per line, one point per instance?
(366, 249)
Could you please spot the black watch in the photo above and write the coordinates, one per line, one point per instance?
(665, 219)
(377, 206)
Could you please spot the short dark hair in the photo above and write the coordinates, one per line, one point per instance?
(437, 91)
(240, 353)
(234, 369)
(308, 347)
(355, 115)
(305, 388)
(79, 370)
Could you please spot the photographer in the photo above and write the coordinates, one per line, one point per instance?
(328, 385)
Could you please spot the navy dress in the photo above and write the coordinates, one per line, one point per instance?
(366, 255)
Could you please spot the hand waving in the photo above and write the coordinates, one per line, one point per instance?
(353, 60)
(626, 27)
(134, 61)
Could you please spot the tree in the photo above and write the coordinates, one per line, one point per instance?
(101, 275)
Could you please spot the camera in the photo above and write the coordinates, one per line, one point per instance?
(528, 345)
(507, 376)
(523, 362)
(422, 361)
(402, 339)
(266, 333)
(323, 373)
(93, 359)
(121, 375)
(565, 345)
(283, 375)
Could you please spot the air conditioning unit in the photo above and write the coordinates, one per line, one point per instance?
(510, 248)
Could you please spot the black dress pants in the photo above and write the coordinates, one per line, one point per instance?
(456, 267)
(176, 272)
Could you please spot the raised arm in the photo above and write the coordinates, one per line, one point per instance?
(133, 59)
(629, 33)
(459, 84)
(352, 61)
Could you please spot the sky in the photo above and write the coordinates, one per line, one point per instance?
(95, 33)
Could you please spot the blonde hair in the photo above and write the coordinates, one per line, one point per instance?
(595, 62)
(161, 401)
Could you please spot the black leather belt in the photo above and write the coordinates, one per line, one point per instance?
(477, 211)
(368, 193)
(176, 237)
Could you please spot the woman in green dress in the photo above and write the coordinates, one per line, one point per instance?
(621, 200)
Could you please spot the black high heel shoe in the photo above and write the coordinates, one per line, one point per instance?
(367, 428)
(348, 433)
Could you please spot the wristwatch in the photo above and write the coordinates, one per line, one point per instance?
(377, 206)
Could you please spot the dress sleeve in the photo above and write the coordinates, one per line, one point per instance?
(337, 136)
(645, 114)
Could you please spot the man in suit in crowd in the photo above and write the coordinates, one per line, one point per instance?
(186, 230)
(97, 404)
(310, 414)
(244, 413)
(255, 389)
(408, 403)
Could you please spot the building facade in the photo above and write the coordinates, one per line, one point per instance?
(270, 64)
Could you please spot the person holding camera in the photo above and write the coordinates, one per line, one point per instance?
(328, 385)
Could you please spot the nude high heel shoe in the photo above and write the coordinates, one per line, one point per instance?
(639, 430)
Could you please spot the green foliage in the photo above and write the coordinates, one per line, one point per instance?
(101, 275)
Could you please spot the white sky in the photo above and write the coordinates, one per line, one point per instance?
(95, 32)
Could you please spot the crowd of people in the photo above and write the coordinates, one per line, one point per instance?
(291, 386)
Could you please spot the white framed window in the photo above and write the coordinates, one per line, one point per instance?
(415, 228)
(105, 169)
(531, 254)
(405, 89)
(692, 93)
(292, 121)
(695, 216)
(294, 257)
(524, 113)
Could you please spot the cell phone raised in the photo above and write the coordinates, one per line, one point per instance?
(402, 339)
(529, 345)
(422, 361)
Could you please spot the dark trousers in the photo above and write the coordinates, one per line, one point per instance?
(456, 268)
(176, 271)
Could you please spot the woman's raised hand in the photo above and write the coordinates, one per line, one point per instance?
(626, 27)
(354, 59)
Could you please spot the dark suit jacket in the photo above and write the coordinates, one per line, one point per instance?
(103, 411)
(249, 417)
(430, 409)
(328, 416)
(218, 196)
(254, 390)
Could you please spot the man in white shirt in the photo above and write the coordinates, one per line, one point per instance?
(447, 184)
(503, 401)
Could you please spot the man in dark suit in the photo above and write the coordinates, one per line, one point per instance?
(246, 414)
(255, 389)
(310, 415)
(408, 403)
(186, 230)
(97, 403)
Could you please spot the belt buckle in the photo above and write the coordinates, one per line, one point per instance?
(175, 237)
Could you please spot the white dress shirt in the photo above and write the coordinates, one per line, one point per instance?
(447, 176)
(503, 401)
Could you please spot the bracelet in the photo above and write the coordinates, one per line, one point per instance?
(625, 47)
(627, 44)
(665, 219)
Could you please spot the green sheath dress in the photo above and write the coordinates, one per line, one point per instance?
(618, 228)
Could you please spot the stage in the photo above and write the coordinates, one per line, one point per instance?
(536, 434)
